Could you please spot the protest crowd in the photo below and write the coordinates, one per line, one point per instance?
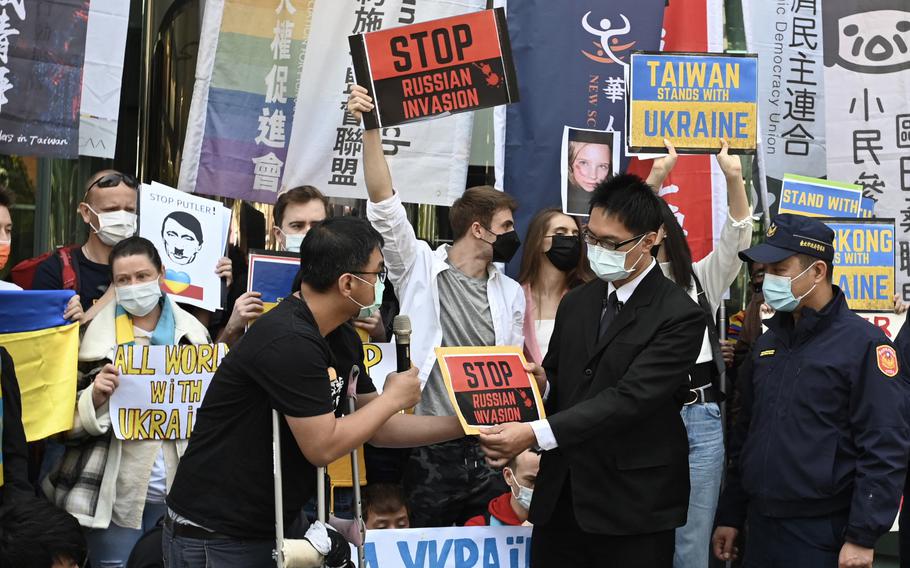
(658, 341)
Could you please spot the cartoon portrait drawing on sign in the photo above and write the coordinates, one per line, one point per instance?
(182, 236)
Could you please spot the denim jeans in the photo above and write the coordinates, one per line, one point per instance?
(180, 552)
(706, 461)
(111, 547)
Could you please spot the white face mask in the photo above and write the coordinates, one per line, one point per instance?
(610, 265)
(292, 242)
(139, 299)
(524, 493)
(114, 226)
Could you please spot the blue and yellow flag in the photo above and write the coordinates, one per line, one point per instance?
(45, 350)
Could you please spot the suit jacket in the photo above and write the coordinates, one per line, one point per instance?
(614, 409)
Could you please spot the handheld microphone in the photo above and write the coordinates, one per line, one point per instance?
(401, 327)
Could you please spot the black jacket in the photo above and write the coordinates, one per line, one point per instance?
(614, 409)
(823, 426)
(15, 453)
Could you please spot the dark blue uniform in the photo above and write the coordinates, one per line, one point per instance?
(902, 343)
(822, 436)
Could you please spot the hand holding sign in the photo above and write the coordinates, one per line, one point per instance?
(504, 442)
(359, 102)
(104, 385)
(730, 165)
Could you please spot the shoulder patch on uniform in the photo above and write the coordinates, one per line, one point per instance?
(887, 360)
(767, 353)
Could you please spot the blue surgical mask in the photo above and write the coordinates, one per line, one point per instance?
(378, 290)
(610, 265)
(524, 493)
(292, 242)
(778, 292)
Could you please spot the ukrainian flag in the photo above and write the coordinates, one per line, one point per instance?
(45, 350)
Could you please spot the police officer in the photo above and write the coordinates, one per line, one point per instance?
(819, 450)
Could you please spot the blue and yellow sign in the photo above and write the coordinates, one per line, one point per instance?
(864, 262)
(272, 275)
(694, 100)
(814, 197)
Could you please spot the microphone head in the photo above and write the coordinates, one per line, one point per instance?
(401, 327)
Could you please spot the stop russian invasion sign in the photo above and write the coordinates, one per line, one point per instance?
(489, 386)
(435, 68)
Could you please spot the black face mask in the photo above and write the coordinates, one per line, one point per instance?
(505, 246)
(565, 252)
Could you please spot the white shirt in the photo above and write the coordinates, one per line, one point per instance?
(543, 330)
(413, 268)
(8, 286)
(542, 431)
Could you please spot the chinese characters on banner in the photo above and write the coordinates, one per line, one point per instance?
(42, 53)
(428, 161)
(247, 80)
(787, 36)
(867, 78)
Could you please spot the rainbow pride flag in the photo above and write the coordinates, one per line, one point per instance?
(242, 111)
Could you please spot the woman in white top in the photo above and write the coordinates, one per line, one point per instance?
(551, 265)
(706, 282)
(116, 488)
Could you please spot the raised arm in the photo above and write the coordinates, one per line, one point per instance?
(375, 168)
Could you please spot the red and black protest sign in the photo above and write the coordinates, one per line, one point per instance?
(435, 68)
(489, 386)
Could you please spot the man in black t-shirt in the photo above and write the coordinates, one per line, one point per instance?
(299, 359)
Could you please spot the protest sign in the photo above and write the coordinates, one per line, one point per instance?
(379, 359)
(588, 158)
(864, 262)
(272, 275)
(693, 100)
(435, 68)
(42, 53)
(820, 198)
(45, 349)
(488, 386)
(448, 547)
(190, 233)
(889, 322)
(161, 389)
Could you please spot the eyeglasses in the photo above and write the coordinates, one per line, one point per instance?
(591, 240)
(113, 180)
(380, 276)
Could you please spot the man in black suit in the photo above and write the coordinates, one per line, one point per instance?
(614, 479)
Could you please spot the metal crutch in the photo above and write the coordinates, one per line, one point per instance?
(278, 553)
(358, 504)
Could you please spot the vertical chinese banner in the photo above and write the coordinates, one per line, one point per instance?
(570, 58)
(867, 74)
(247, 79)
(696, 189)
(428, 161)
(787, 36)
(42, 53)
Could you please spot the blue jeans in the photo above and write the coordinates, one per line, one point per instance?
(706, 462)
(180, 552)
(111, 547)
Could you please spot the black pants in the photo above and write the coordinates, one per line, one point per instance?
(785, 543)
(560, 543)
(449, 483)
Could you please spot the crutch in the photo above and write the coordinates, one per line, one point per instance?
(358, 505)
(278, 553)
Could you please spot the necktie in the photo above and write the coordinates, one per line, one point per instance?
(610, 310)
